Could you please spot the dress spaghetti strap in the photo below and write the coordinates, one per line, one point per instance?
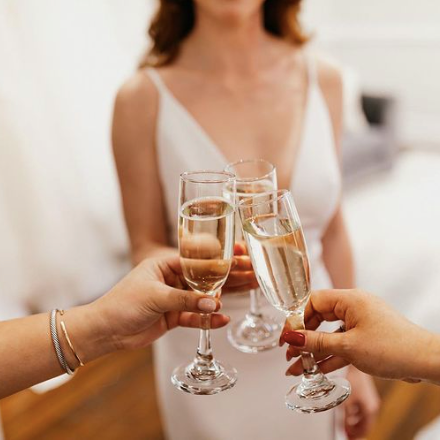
(157, 80)
(311, 69)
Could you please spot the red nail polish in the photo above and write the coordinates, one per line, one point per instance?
(288, 356)
(294, 338)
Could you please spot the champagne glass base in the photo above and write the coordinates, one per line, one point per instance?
(220, 377)
(254, 334)
(318, 400)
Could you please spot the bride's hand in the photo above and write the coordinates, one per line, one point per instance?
(241, 277)
(205, 248)
(363, 405)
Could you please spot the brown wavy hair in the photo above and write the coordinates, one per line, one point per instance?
(175, 20)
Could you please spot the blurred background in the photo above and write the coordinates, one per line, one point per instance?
(62, 234)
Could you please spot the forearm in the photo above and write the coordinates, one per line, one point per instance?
(27, 355)
(338, 255)
(428, 359)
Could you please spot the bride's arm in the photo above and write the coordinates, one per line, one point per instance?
(338, 259)
(134, 149)
(337, 253)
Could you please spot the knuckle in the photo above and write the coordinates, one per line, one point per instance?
(184, 301)
(375, 405)
(320, 343)
(345, 345)
(366, 298)
(375, 408)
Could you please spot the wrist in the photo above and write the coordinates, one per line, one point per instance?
(88, 334)
(432, 368)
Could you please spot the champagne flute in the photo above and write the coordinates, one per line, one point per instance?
(275, 240)
(256, 331)
(206, 247)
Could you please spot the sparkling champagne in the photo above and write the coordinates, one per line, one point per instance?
(279, 257)
(206, 242)
(245, 190)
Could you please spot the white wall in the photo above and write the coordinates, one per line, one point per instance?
(395, 46)
(62, 237)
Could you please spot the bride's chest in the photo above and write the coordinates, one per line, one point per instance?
(263, 126)
(208, 131)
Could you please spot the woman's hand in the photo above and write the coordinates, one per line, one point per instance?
(149, 301)
(377, 340)
(241, 277)
(206, 247)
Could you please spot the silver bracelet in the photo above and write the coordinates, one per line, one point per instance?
(56, 343)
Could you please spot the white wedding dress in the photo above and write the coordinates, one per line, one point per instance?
(254, 409)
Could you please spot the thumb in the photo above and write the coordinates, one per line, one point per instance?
(168, 299)
(319, 343)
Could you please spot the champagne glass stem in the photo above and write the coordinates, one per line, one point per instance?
(254, 309)
(295, 321)
(312, 379)
(204, 350)
(203, 366)
(309, 364)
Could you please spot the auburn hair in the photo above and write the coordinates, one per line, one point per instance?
(175, 20)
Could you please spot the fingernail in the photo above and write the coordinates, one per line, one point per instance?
(207, 305)
(281, 341)
(288, 356)
(288, 373)
(295, 338)
(238, 249)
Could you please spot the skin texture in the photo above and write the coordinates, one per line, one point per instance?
(377, 339)
(252, 92)
(139, 309)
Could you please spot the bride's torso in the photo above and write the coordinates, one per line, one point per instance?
(202, 125)
(199, 131)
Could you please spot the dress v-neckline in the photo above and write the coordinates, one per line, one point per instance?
(190, 118)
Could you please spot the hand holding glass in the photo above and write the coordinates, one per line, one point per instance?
(206, 246)
(276, 244)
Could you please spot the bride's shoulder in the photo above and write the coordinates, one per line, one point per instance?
(322, 68)
(134, 114)
(137, 95)
(329, 74)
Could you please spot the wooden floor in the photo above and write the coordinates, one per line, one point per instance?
(110, 399)
(114, 398)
